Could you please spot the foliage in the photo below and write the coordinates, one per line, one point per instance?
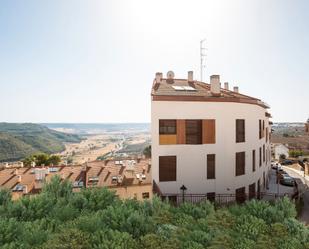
(18, 141)
(147, 151)
(96, 218)
(296, 153)
(282, 157)
(42, 159)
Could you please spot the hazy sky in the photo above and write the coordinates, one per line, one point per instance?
(94, 61)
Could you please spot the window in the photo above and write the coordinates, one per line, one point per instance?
(241, 194)
(167, 168)
(253, 160)
(263, 152)
(167, 126)
(211, 166)
(211, 196)
(240, 130)
(266, 134)
(260, 156)
(263, 128)
(145, 195)
(252, 191)
(260, 128)
(240, 163)
(193, 131)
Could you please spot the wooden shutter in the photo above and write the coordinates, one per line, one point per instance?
(211, 166)
(252, 192)
(260, 128)
(209, 131)
(167, 168)
(260, 156)
(181, 131)
(253, 160)
(193, 131)
(241, 194)
(240, 163)
(240, 130)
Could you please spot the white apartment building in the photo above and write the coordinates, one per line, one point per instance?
(210, 139)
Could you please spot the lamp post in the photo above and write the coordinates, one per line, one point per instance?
(183, 189)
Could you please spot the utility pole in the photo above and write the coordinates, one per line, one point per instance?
(202, 56)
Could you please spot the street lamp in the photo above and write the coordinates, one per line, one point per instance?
(183, 189)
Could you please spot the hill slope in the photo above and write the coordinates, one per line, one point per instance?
(20, 140)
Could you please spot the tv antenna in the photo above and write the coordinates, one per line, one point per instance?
(203, 56)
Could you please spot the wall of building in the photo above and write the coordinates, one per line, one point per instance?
(191, 159)
(279, 150)
(134, 191)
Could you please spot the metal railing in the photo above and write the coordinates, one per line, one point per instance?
(221, 199)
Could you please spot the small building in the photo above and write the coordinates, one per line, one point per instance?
(129, 178)
(280, 149)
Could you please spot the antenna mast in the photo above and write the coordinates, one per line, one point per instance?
(203, 56)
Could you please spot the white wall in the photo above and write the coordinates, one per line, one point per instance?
(191, 159)
(281, 149)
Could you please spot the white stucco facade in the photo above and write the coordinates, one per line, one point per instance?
(280, 149)
(191, 159)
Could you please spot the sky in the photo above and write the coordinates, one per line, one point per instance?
(95, 61)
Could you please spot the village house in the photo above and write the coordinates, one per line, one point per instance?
(129, 178)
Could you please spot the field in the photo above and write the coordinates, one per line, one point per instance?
(292, 134)
(105, 141)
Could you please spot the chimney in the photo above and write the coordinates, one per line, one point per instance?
(236, 89)
(226, 85)
(190, 76)
(215, 85)
(158, 77)
(19, 178)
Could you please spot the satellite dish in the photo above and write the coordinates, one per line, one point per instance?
(170, 75)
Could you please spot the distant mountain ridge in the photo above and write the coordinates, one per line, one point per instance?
(20, 140)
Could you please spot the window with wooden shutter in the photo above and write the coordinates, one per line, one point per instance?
(241, 194)
(253, 160)
(193, 131)
(252, 191)
(240, 130)
(240, 163)
(167, 168)
(211, 196)
(209, 131)
(260, 128)
(266, 134)
(260, 156)
(211, 166)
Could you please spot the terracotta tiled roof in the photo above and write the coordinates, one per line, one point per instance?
(96, 173)
(201, 92)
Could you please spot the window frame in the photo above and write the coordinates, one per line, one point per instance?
(170, 129)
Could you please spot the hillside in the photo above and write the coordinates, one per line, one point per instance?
(20, 140)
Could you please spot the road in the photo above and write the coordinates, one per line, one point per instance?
(303, 188)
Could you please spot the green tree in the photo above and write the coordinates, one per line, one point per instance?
(147, 151)
(53, 160)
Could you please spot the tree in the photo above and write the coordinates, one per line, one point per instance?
(147, 151)
(42, 159)
(53, 160)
